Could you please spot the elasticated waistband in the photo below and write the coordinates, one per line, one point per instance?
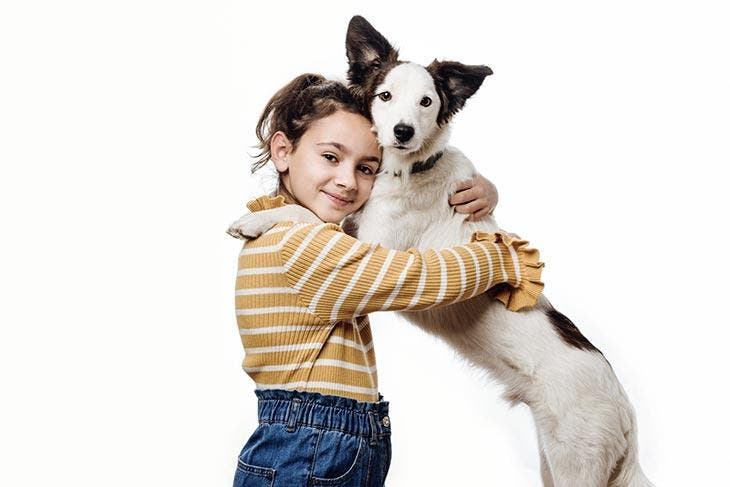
(311, 409)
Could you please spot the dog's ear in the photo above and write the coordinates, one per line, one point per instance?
(455, 83)
(367, 50)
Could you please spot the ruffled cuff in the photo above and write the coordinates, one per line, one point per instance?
(528, 287)
(265, 203)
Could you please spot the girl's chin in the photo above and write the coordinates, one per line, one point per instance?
(336, 219)
(333, 212)
(331, 216)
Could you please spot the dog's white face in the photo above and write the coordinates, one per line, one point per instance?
(405, 108)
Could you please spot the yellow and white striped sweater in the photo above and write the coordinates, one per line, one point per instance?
(303, 292)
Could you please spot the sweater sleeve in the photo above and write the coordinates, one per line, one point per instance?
(339, 277)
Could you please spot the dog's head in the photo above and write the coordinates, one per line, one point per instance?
(408, 102)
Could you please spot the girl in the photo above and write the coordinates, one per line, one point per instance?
(303, 292)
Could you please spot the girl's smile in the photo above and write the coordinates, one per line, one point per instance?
(339, 200)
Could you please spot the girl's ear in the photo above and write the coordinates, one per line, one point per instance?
(280, 148)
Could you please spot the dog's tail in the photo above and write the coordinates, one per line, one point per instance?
(627, 472)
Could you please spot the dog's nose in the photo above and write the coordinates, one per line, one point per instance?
(403, 132)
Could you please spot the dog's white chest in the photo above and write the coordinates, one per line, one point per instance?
(412, 210)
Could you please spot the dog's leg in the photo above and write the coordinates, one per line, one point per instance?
(569, 468)
(577, 453)
(545, 473)
(254, 224)
(579, 429)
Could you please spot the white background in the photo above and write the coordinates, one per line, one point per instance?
(124, 134)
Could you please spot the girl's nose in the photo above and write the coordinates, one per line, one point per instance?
(345, 178)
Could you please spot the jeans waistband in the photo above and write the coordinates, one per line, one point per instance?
(311, 409)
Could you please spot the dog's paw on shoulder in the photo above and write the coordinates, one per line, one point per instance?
(255, 224)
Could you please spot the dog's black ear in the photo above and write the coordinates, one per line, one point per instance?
(367, 50)
(455, 83)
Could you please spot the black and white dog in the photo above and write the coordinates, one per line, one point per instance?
(585, 423)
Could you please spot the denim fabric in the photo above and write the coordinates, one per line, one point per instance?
(310, 439)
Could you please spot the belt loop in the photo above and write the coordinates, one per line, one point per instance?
(293, 416)
(373, 417)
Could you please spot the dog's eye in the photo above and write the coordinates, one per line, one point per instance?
(385, 96)
(425, 101)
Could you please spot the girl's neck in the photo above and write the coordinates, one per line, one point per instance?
(289, 198)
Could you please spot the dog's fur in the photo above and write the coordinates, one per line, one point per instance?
(586, 428)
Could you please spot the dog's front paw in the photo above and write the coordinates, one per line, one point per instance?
(255, 224)
(244, 228)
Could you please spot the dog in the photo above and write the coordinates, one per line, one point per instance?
(586, 427)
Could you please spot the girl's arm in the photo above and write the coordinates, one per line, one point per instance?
(339, 277)
(476, 196)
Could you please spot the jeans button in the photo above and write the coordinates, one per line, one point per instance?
(386, 421)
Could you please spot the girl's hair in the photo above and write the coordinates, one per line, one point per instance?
(293, 109)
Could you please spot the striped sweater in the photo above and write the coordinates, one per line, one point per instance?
(303, 292)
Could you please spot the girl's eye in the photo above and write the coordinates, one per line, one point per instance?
(425, 101)
(330, 157)
(385, 96)
(367, 170)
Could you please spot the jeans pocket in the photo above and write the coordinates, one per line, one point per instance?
(334, 463)
(253, 476)
(254, 452)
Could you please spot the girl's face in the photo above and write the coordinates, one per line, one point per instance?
(333, 168)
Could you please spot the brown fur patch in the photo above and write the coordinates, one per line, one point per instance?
(370, 58)
(568, 331)
(455, 83)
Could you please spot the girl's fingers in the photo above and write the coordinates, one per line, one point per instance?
(464, 196)
(476, 196)
(461, 186)
(465, 184)
(471, 206)
(481, 214)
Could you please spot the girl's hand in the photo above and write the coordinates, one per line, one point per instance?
(477, 196)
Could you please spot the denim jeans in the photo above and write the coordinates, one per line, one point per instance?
(310, 439)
